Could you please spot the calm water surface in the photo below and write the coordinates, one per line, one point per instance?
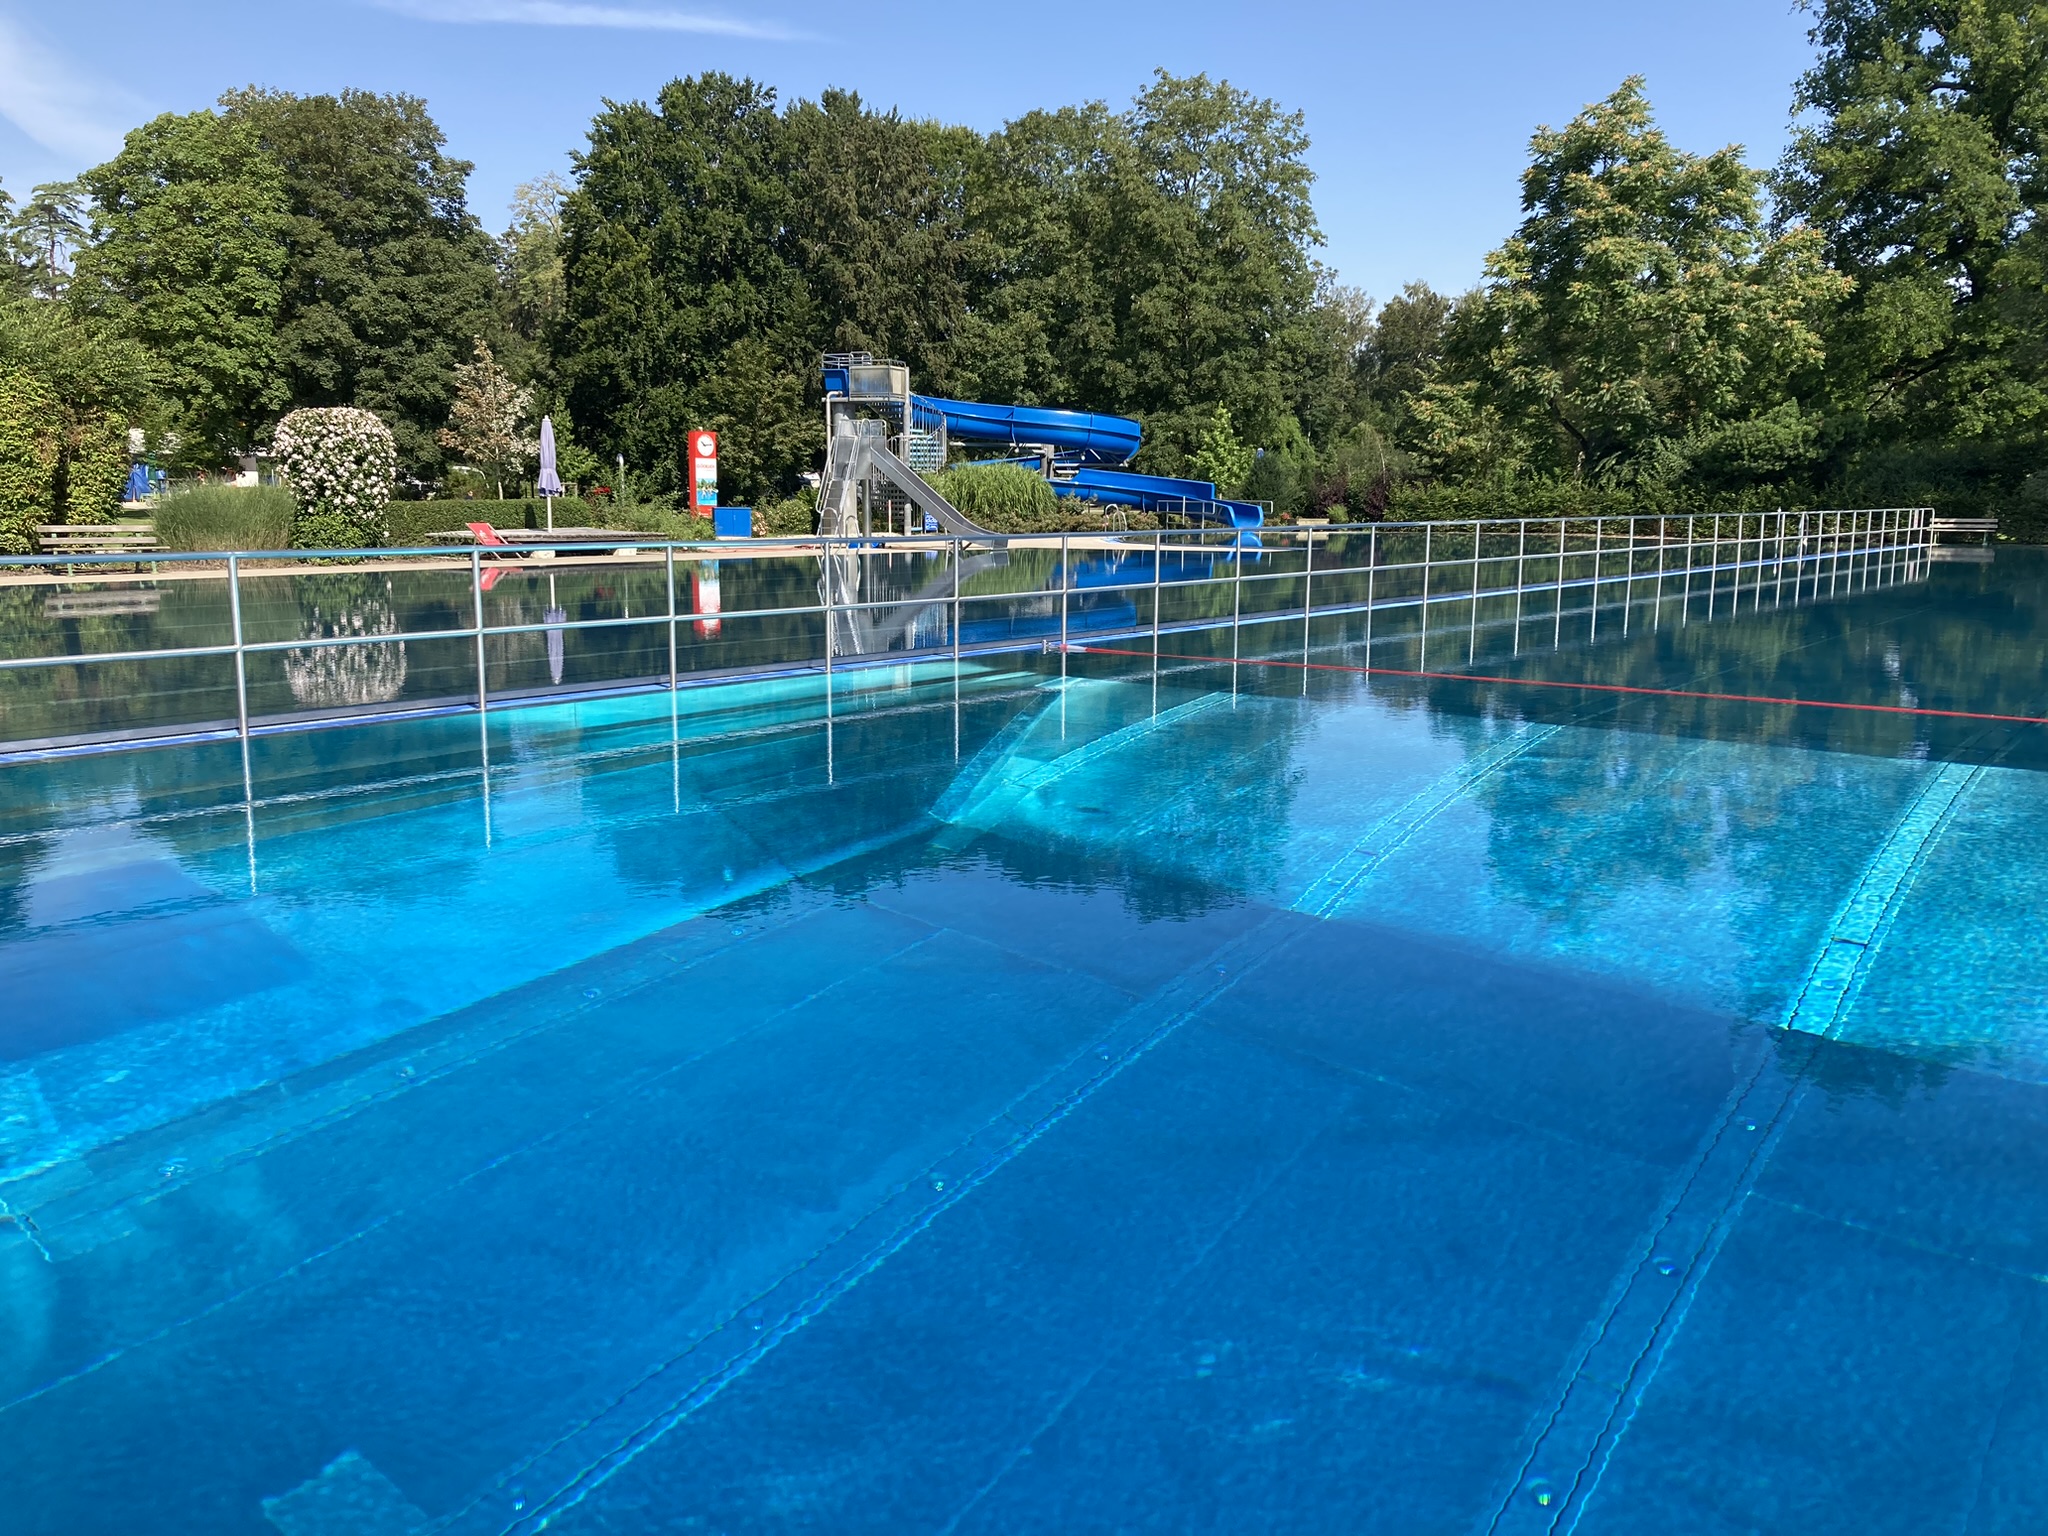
(1049, 1096)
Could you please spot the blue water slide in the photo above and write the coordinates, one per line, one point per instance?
(1084, 442)
(1087, 435)
(1160, 493)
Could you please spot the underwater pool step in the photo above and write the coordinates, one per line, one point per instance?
(1823, 1003)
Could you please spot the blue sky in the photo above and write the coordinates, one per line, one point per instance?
(1419, 113)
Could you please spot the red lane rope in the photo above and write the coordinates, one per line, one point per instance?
(1544, 682)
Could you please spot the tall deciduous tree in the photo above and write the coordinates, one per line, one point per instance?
(1925, 163)
(187, 258)
(530, 281)
(388, 277)
(878, 219)
(1639, 315)
(68, 390)
(685, 306)
(1157, 261)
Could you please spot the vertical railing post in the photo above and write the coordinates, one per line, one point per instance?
(1557, 606)
(957, 548)
(1472, 615)
(1663, 543)
(242, 714)
(1308, 576)
(241, 657)
(1066, 585)
(1372, 570)
(1158, 567)
(1599, 556)
(1236, 601)
(671, 553)
(476, 597)
(1427, 572)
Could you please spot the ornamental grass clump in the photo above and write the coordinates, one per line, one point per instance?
(340, 463)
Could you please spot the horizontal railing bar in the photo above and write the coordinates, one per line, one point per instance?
(713, 549)
(1818, 554)
(315, 642)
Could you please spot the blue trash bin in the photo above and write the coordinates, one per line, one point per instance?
(732, 523)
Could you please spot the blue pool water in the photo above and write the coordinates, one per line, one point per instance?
(1061, 1095)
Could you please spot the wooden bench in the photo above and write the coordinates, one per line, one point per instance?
(1985, 528)
(97, 539)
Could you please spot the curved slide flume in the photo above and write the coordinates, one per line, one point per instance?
(1094, 440)
(1087, 435)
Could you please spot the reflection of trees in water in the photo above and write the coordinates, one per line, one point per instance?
(330, 675)
(1571, 831)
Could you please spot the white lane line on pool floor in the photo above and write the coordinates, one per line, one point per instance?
(1857, 930)
(1606, 1384)
(588, 1456)
(1388, 835)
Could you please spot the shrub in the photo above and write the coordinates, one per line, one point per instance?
(407, 524)
(28, 459)
(1003, 498)
(96, 472)
(788, 519)
(222, 517)
(341, 463)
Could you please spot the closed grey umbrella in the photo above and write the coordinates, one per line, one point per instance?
(549, 481)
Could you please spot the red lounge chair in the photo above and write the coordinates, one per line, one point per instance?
(488, 536)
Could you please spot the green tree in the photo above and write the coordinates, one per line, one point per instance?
(1220, 456)
(1640, 311)
(530, 282)
(878, 220)
(684, 305)
(487, 424)
(187, 259)
(1924, 162)
(44, 232)
(1156, 261)
(388, 278)
(68, 391)
(1404, 351)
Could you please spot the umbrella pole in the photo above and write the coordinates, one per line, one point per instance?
(551, 513)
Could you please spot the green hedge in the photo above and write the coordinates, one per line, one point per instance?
(407, 523)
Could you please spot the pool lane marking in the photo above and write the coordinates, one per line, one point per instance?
(1141, 1028)
(1545, 682)
(1395, 830)
(1868, 913)
(1835, 978)
(1153, 1020)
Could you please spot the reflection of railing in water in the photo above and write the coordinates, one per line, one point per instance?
(1053, 591)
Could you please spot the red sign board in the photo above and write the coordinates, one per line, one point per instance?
(703, 473)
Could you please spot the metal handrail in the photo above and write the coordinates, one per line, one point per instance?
(1780, 539)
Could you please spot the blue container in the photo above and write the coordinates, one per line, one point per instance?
(732, 522)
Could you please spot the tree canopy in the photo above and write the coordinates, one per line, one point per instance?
(1640, 321)
(1868, 322)
(1923, 163)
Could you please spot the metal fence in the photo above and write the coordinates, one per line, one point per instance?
(97, 651)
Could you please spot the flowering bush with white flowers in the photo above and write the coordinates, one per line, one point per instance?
(340, 463)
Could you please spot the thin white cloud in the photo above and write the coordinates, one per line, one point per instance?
(64, 109)
(577, 13)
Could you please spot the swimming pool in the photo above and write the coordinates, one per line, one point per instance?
(1062, 1092)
